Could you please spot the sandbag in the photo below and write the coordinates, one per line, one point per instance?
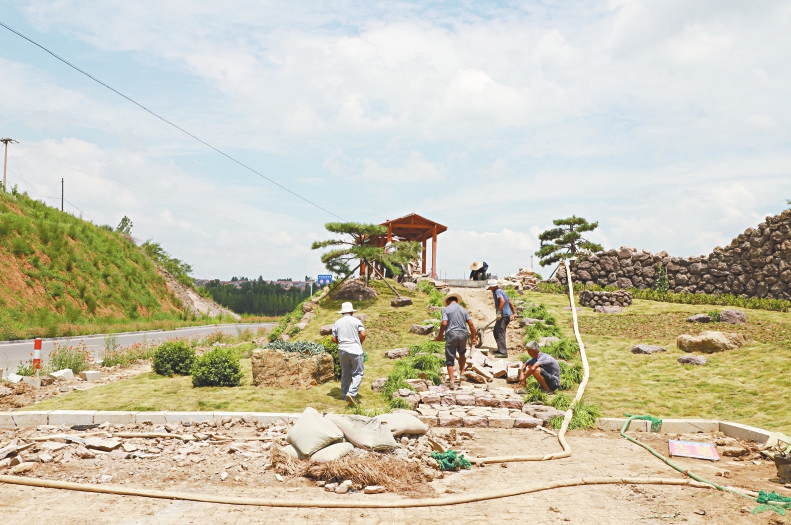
(291, 451)
(400, 423)
(332, 452)
(365, 432)
(312, 433)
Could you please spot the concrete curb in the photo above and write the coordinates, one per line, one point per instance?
(29, 419)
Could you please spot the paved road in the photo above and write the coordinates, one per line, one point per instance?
(11, 353)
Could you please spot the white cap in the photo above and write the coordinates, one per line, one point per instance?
(347, 308)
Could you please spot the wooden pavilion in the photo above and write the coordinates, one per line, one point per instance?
(413, 227)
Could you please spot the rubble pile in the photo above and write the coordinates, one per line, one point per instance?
(524, 279)
(238, 451)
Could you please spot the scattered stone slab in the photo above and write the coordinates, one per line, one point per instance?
(418, 384)
(421, 329)
(648, 349)
(397, 353)
(397, 302)
(710, 342)
(480, 370)
(512, 374)
(547, 341)
(33, 381)
(378, 383)
(90, 375)
(733, 317)
(692, 360)
(526, 321)
(699, 318)
(409, 286)
(326, 330)
(375, 489)
(607, 309)
(64, 374)
(105, 444)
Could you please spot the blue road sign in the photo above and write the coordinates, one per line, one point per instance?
(324, 279)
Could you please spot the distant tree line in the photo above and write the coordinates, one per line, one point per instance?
(256, 297)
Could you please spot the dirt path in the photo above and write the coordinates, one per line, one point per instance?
(480, 305)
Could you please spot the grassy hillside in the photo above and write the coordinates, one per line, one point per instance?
(60, 275)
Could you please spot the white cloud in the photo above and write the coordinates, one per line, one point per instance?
(665, 121)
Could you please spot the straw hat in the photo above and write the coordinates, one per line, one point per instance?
(492, 283)
(477, 265)
(448, 297)
(347, 308)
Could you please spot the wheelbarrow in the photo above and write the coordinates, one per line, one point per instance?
(479, 333)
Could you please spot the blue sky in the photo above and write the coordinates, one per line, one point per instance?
(667, 122)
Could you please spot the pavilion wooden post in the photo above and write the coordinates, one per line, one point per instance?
(423, 257)
(434, 253)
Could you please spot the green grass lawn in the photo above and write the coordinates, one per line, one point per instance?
(750, 385)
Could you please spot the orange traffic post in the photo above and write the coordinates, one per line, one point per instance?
(37, 354)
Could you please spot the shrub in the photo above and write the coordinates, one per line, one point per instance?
(331, 348)
(662, 282)
(715, 316)
(77, 358)
(220, 367)
(173, 357)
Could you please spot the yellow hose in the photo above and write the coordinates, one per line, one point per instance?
(349, 502)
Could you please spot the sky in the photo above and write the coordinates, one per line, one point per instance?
(667, 122)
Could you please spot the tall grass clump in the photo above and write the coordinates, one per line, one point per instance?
(570, 374)
(534, 332)
(434, 296)
(565, 349)
(583, 417)
(539, 312)
(77, 358)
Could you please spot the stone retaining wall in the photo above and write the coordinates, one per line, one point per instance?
(757, 263)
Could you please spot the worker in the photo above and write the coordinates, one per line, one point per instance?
(504, 308)
(455, 321)
(542, 366)
(478, 270)
(348, 333)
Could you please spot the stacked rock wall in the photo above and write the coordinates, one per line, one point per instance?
(757, 263)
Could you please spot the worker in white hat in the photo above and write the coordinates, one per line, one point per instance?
(504, 309)
(478, 270)
(348, 333)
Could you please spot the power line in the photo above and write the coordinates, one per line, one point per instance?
(170, 123)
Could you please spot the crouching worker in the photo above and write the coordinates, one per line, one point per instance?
(455, 321)
(542, 366)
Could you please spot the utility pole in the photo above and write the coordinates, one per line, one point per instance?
(5, 161)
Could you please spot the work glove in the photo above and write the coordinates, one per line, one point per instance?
(499, 316)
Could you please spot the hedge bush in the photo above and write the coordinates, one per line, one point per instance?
(220, 367)
(173, 357)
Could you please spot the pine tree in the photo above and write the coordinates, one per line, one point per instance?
(565, 241)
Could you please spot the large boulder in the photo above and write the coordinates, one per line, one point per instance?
(354, 290)
(290, 369)
(733, 317)
(710, 342)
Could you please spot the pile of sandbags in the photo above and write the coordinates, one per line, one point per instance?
(326, 438)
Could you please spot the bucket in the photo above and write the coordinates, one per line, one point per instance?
(783, 464)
